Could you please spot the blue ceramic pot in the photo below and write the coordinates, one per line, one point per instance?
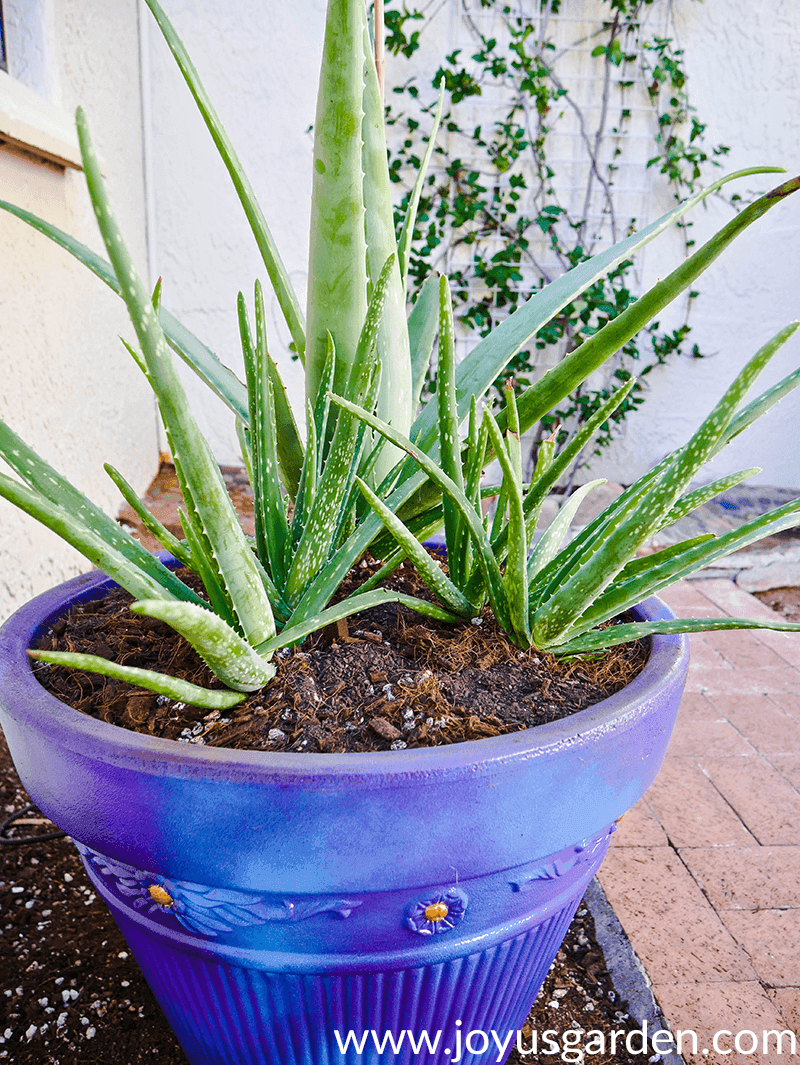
(275, 900)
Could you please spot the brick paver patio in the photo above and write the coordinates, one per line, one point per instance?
(704, 873)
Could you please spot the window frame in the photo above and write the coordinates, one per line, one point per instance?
(3, 53)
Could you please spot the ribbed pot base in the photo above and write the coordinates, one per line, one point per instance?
(228, 1015)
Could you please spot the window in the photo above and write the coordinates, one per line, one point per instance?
(3, 59)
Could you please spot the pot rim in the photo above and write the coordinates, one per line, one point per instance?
(23, 698)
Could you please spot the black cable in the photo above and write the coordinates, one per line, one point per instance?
(8, 824)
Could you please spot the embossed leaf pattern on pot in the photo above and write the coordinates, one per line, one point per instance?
(208, 910)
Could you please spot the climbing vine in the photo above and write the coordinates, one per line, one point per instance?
(502, 213)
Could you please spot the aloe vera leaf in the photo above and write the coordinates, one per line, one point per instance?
(767, 399)
(430, 570)
(364, 467)
(137, 358)
(355, 604)
(189, 448)
(322, 407)
(423, 526)
(561, 462)
(80, 536)
(410, 220)
(447, 409)
(45, 480)
(255, 433)
(277, 272)
(272, 531)
(222, 381)
(576, 553)
(289, 447)
(205, 566)
(616, 634)
(641, 563)
(317, 538)
(337, 296)
(280, 607)
(516, 584)
(663, 572)
(149, 520)
(421, 530)
(692, 500)
(226, 654)
(243, 436)
(580, 591)
(160, 683)
(493, 576)
(394, 386)
(423, 323)
(477, 437)
(486, 361)
(550, 541)
(575, 368)
(499, 523)
(308, 481)
(275, 524)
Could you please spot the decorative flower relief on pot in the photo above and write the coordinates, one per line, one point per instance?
(565, 861)
(438, 914)
(207, 910)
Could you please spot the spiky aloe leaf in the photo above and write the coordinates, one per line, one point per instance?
(222, 381)
(289, 448)
(355, 604)
(320, 527)
(551, 539)
(43, 479)
(602, 639)
(149, 520)
(394, 387)
(80, 536)
(322, 408)
(337, 297)
(747, 415)
(557, 616)
(575, 368)
(516, 584)
(486, 361)
(643, 563)
(692, 500)
(161, 683)
(226, 654)
(664, 570)
(429, 569)
(272, 530)
(421, 529)
(190, 450)
(494, 580)
(407, 232)
(277, 272)
(423, 322)
(447, 413)
(308, 480)
(205, 567)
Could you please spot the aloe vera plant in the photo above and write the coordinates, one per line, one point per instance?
(372, 469)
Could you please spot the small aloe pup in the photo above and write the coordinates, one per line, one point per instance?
(321, 502)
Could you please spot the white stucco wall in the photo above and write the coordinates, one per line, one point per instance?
(259, 63)
(68, 387)
(744, 69)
